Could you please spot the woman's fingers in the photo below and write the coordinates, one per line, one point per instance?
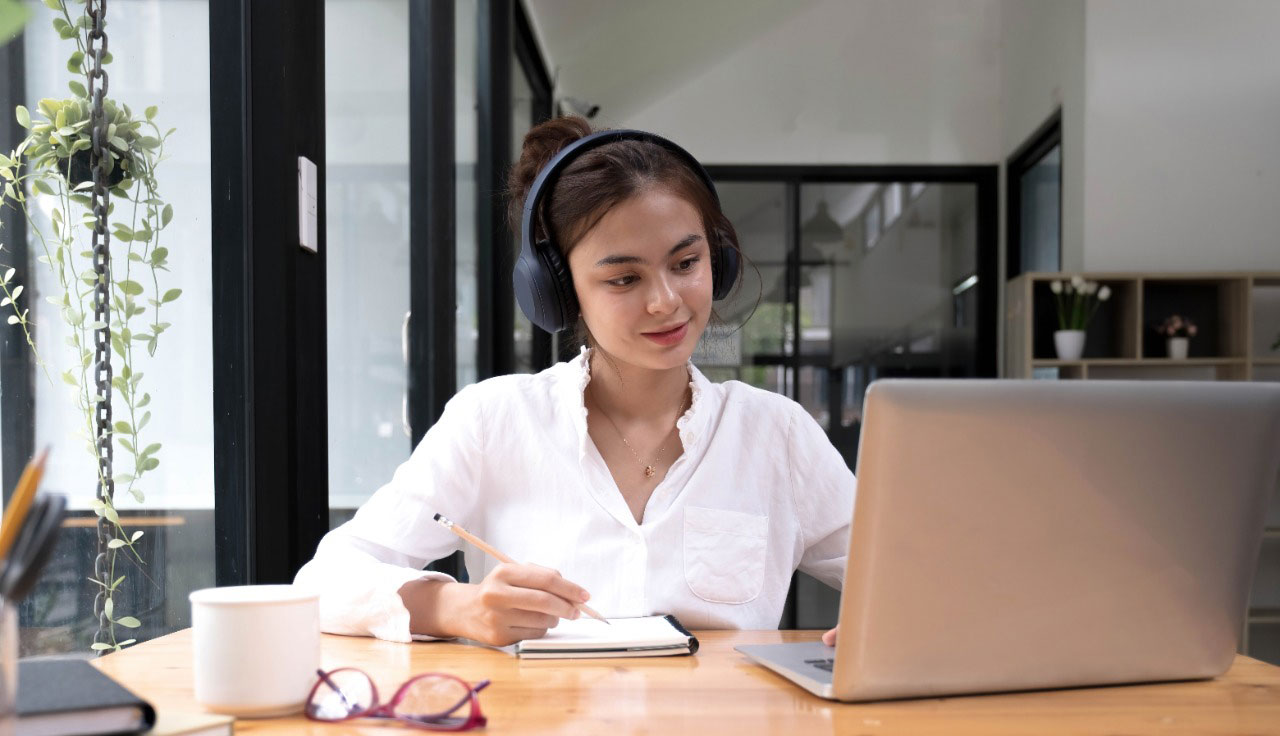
(519, 619)
(528, 599)
(544, 578)
(829, 638)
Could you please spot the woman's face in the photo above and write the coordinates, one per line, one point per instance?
(643, 278)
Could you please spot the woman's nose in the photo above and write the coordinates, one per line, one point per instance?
(663, 298)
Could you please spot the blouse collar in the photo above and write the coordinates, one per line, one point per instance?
(689, 425)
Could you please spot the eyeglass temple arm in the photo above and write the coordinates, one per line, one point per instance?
(329, 681)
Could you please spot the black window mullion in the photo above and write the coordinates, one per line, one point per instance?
(495, 298)
(269, 327)
(432, 369)
(17, 374)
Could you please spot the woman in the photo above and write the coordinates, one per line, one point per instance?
(624, 472)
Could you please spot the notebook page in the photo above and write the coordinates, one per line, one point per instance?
(619, 633)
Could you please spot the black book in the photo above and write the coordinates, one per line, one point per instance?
(69, 697)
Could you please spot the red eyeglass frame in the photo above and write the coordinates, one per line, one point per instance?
(475, 719)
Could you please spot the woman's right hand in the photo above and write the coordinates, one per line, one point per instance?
(513, 602)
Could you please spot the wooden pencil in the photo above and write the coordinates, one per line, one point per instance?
(495, 553)
(20, 502)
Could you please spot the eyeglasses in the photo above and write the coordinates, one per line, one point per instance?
(431, 700)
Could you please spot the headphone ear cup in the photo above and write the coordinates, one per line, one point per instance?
(562, 282)
(724, 266)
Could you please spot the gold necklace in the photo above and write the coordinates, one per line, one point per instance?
(649, 469)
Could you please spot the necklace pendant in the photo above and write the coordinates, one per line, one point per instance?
(649, 471)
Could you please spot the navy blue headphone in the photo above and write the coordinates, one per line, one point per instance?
(543, 284)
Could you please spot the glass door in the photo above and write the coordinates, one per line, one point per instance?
(847, 281)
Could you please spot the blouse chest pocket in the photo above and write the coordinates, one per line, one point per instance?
(724, 554)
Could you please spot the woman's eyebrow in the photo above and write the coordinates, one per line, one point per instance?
(685, 242)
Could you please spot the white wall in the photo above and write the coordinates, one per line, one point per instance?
(1042, 69)
(1182, 135)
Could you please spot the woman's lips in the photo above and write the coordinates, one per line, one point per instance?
(670, 337)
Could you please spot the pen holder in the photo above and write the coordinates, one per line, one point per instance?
(8, 666)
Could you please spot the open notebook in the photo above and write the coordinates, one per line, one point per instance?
(648, 636)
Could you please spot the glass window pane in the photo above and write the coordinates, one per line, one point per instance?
(161, 56)
(521, 122)
(754, 353)
(1040, 189)
(367, 257)
(465, 130)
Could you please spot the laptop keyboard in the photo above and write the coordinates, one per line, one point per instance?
(827, 665)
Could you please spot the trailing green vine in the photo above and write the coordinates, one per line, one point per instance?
(53, 163)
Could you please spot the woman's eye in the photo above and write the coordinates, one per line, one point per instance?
(621, 281)
(688, 263)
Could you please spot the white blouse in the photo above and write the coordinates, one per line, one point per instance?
(758, 493)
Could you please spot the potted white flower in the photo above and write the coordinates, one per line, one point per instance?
(1078, 300)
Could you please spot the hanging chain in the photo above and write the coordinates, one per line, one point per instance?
(101, 197)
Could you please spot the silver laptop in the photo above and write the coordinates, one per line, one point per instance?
(1019, 535)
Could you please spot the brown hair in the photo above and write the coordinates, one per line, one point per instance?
(598, 180)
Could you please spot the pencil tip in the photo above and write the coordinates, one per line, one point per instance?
(438, 517)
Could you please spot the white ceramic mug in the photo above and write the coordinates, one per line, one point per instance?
(256, 648)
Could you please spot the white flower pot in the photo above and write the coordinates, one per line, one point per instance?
(1069, 343)
(1177, 347)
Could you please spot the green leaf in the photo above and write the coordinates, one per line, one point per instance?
(129, 622)
(152, 449)
(73, 63)
(108, 607)
(8, 275)
(136, 536)
(123, 427)
(40, 185)
(137, 495)
(124, 441)
(111, 515)
(171, 295)
(78, 90)
(145, 418)
(151, 463)
(17, 291)
(151, 112)
(53, 4)
(98, 646)
(166, 215)
(116, 544)
(14, 319)
(125, 643)
(146, 399)
(69, 378)
(132, 288)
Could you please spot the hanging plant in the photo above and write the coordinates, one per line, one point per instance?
(55, 163)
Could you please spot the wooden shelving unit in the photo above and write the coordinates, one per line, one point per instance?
(1238, 316)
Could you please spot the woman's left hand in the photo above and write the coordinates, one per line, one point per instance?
(829, 638)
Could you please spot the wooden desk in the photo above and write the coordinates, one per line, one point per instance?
(719, 691)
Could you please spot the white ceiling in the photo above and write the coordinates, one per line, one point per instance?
(617, 53)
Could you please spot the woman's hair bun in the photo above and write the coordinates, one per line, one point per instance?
(540, 145)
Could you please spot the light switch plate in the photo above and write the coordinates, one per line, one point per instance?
(308, 231)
